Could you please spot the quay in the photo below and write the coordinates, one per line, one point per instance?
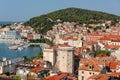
(25, 45)
(13, 41)
(17, 60)
(42, 45)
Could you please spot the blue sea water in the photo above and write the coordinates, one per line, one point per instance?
(10, 54)
(5, 22)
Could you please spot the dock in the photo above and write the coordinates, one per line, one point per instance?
(25, 45)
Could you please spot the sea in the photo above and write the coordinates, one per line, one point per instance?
(11, 54)
(6, 22)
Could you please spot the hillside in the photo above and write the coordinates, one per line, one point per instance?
(44, 23)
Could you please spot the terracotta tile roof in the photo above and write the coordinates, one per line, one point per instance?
(66, 30)
(104, 38)
(98, 77)
(111, 37)
(90, 64)
(65, 39)
(104, 76)
(57, 77)
(95, 62)
(113, 64)
(60, 76)
(111, 46)
(53, 47)
(37, 69)
(35, 63)
(64, 45)
(19, 29)
(117, 40)
(113, 74)
(93, 35)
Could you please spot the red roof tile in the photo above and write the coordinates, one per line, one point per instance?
(65, 39)
(64, 45)
(59, 77)
(111, 46)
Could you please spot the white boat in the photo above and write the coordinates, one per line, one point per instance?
(12, 47)
(20, 48)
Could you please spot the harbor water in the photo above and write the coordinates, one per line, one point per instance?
(11, 54)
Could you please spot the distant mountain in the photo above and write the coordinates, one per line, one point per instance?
(44, 22)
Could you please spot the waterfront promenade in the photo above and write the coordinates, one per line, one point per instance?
(42, 45)
(25, 44)
(12, 41)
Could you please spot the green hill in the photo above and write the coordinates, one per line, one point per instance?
(44, 22)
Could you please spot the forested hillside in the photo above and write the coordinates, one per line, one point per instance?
(44, 22)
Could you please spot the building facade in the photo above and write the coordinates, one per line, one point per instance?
(65, 59)
(12, 34)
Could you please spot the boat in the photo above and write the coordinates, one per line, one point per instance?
(12, 47)
(20, 48)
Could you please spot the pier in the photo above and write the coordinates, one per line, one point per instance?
(42, 45)
(25, 45)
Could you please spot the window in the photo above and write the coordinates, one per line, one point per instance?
(82, 72)
(90, 67)
(90, 73)
(82, 77)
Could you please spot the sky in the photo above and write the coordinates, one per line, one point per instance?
(23, 10)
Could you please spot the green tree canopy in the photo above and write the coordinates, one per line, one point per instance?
(45, 22)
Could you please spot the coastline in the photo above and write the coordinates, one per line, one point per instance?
(11, 54)
(12, 41)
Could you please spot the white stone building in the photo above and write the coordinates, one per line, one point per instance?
(5, 65)
(49, 55)
(36, 36)
(116, 53)
(74, 42)
(61, 57)
(65, 58)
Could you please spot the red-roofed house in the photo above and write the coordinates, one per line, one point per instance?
(108, 76)
(114, 66)
(74, 42)
(92, 66)
(93, 37)
(61, 76)
(30, 37)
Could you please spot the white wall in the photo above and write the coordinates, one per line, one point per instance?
(49, 55)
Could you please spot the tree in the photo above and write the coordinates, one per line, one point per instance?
(17, 78)
(45, 22)
(106, 52)
(39, 55)
(26, 58)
